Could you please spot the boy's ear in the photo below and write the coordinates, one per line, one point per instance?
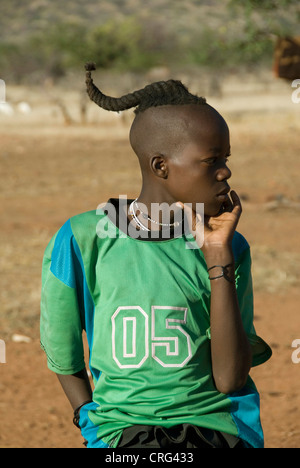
(159, 166)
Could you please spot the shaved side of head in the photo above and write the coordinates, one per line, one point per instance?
(157, 131)
(165, 130)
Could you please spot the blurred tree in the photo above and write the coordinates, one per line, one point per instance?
(276, 17)
(264, 4)
(243, 32)
(59, 48)
(128, 43)
(264, 21)
(114, 42)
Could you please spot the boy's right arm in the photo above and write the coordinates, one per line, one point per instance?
(63, 316)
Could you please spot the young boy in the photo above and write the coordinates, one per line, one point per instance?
(169, 322)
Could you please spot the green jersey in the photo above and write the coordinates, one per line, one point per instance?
(145, 308)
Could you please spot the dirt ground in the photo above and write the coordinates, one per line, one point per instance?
(51, 171)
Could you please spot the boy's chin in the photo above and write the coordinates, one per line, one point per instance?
(214, 211)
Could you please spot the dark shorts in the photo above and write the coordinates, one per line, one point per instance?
(176, 437)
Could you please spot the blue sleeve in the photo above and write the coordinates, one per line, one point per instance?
(62, 317)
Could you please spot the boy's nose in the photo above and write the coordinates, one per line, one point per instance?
(224, 173)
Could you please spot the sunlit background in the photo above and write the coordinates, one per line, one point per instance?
(61, 155)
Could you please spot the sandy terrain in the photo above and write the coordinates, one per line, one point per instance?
(50, 171)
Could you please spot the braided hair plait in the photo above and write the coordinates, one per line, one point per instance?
(161, 93)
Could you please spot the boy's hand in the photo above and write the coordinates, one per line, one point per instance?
(218, 230)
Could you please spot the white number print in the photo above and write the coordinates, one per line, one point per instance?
(170, 343)
(130, 352)
(161, 345)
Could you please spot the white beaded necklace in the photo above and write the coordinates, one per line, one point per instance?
(132, 212)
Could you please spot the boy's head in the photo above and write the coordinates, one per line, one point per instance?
(182, 143)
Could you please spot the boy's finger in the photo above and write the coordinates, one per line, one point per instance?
(237, 206)
(228, 205)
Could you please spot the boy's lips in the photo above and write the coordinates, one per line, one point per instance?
(223, 195)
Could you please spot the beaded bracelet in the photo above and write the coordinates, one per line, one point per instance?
(76, 413)
(224, 272)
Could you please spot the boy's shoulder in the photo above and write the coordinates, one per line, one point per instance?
(85, 217)
(79, 226)
(239, 245)
(84, 224)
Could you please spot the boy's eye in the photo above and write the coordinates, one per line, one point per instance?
(212, 161)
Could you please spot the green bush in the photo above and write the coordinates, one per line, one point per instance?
(214, 49)
(124, 44)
